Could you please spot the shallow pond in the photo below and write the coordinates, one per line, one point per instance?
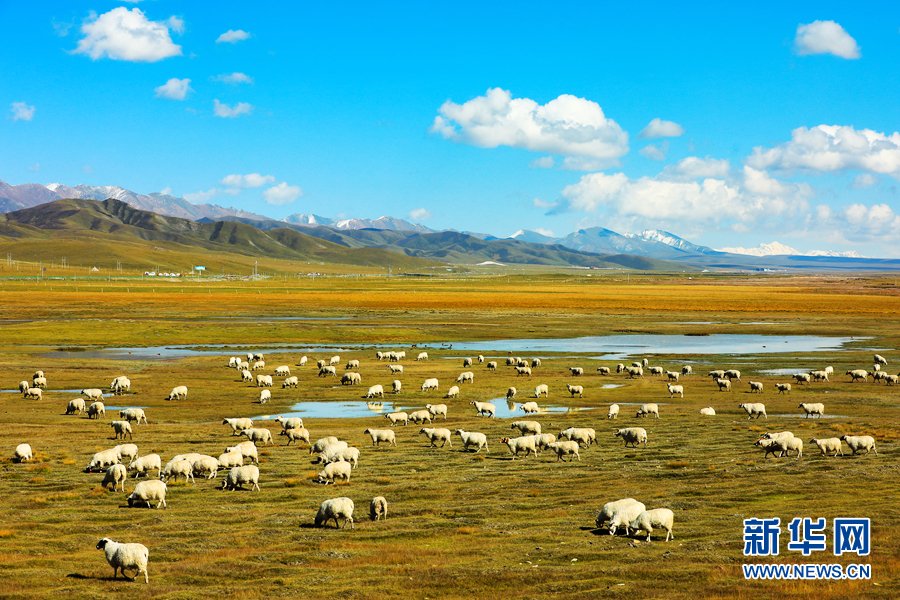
(359, 408)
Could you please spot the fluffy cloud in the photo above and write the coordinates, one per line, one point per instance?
(544, 162)
(174, 89)
(282, 194)
(833, 148)
(655, 152)
(225, 111)
(693, 167)
(166, 191)
(232, 37)
(123, 34)
(233, 78)
(825, 37)
(658, 128)
(253, 180)
(21, 112)
(864, 180)
(420, 214)
(538, 203)
(570, 126)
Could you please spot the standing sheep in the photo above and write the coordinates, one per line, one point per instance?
(754, 408)
(295, 433)
(624, 515)
(126, 556)
(648, 409)
(492, 366)
(133, 414)
(603, 370)
(530, 408)
(473, 438)
(437, 409)
(783, 387)
(375, 390)
(658, 517)
(484, 408)
(430, 384)
(258, 436)
(121, 428)
(542, 389)
(336, 508)
(264, 396)
(238, 476)
(115, 475)
(338, 469)
(466, 377)
(75, 406)
(397, 417)
(610, 508)
(435, 435)
(378, 508)
(575, 389)
(815, 409)
(453, 392)
(382, 435)
(756, 386)
(567, 448)
(633, 436)
(613, 412)
(511, 393)
(675, 389)
(828, 445)
(145, 464)
(146, 491)
(238, 425)
(860, 442)
(396, 386)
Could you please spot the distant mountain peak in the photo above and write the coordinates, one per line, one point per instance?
(779, 249)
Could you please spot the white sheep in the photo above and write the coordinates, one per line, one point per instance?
(492, 366)
(246, 376)
(672, 376)
(336, 508)
(321, 364)
(133, 414)
(335, 453)
(535, 363)
(115, 475)
(420, 416)
(285, 370)
(687, 370)
(351, 378)
(382, 435)
(238, 476)
(857, 374)
(783, 387)
(527, 427)
(100, 461)
(422, 356)
(635, 372)
(756, 386)
(152, 490)
(880, 359)
(717, 374)
(860, 442)
(206, 466)
(34, 393)
(437, 409)
(435, 435)
(757, 409)
(289, 422)
(467, 362)
(624, 515)
(126, 452)
(819, 375)
(659, 517)
(397, 417)
(238, 425)
(22, 453)
(466, 377)
(264, 396)
(575, 389)
(815, 409)
(656, 371)
(724, 385)
(295, 433)
(827, 445)
(633, 436)
(145, 464)
(396, 386)
(121, 428)
(339, 469)
(786, 445)
(92, 393)
(292, 381)
(516, 445)
(733, 374)
(542, 389)
(648, 409)
(829, 370)
(530, 408)
(430, 384)
(603, 370)
(174, 468)
(39, 382)
(582, 435)
(610, 508)
(613, 412)
(802, 378)
(709, 411)
(484, 408)
(576, 371)
(247, 450)
(473, 438)
(230, 459)
(120, 385)
(375, 390)
(511, 393)
(75, 406)
(675, 389)
(565, 448)
(130, 556)
(378, 508)
(396, 369)
(261, 381)
(453, 392)
(327, 370)
(257, 436)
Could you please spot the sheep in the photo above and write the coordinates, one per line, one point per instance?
(530, 408)
(511, 393)
(230, 459)
(527, 427)
(397, 417)
(648, 409)
(382, 435)
(302, 362)
(610, 508)
(473, 438)
(880, 359)
(603, 370)
(633, 436)
(336, 453)
(658, 517)
(258, 435)
(339, 469)
(100, 461)
(33, 393)
(38, 374)
(878, 376)
(420, 416)
(22, 453)
(467, 362)
(511, 362)
(829, 370)
(151, 490)
(802, 378)
(724, 384)
(645, 363)
(244, 366)
(754, 408)
(40, 382)
(320, 365)
(526, 371)
(422, 356)
(535, 362)
(75, 406)
(675, 389)
(435, 434)
(709, 411)
(233, 362)
(542, 389)
(516, 445)
(238, 425)
(521, 363)
(687, 370)
(336, 508)
(256, 356)
(133, 414)
(115, 475)
(816, 409)
(351, 364)
(613, 412)
(92, 393)
(238, 476)
(96, 409)
(247, 450)
(892, 379)
(544, 440)
(430, 384)
(575, 389)
(396, 369)
(130, 556)
(121, 428)
(637, 363)
(567, 448)
(378, 508)
(492, 366)
(657, 371)
(327, 370)
(733, 374)
(857, 374)
(576, 371)
(126, 451)
(120, 385)
(582, 435)
(335, 360)
(351, 379)
(672, 376)
(717, 374)
(379, 356)
(453, 392)
(264, 396)
(295, 433)
(190, 457)
(205, 466)
(174, 468)
(145, 464)
(484, 408)
(767, 445)
(466, 377)
(783, 387)
(785, 445)
(828, 445)
(263, 381)
(819, 375)
(246, 376)
(258, 365)
(775, 436)
(624, 515)
(375, 390)
(289, 422)
(437, 409)
(860, 442)
(635, 372)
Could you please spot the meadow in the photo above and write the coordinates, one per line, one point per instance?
(459, 524)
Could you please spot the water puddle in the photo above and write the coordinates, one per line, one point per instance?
(803, 416)
(610, 386)
(358, 409)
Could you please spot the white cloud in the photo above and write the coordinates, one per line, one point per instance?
(201, 196)
(655, 152)
(420, 214)
(581, 163)
(35, 167)
(864, 180)
(174, 89)
(253, 180)
(123, 34)
(176, 24)
(544, 162)
(233, 78)
(538, 203)
(543, 231)
(658, 128)
(693, 167)
(282, 194)
(571, 126)
(232, 37)
(166, 191)
(225, 111)
(825, 37)
(21, 112)
(833, 148)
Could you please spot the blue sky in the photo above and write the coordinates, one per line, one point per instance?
(727, 126)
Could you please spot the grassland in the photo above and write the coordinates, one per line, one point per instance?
(460, 524)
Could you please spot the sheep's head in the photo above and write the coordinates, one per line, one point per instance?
(102, 543)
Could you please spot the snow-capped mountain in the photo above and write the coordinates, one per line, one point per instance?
(525, 235)
(669, 239)
(385, 222)
(779, 249)
(311, 220)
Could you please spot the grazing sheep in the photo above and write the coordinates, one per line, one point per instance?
(453, 392)
(756, 386)
(610, 508)
(382, 435)
(530, 408)
(521, 363)
(75, 406)
(757, 409)
(467, 362)
(511, 362)
(709, 411)
(40, 382)
(258, 365)
(675, 389)
(351, 378)
(174, 468)
(775, 436)
(264, 396)
(378, 508)
(733, 374)
(786, 445)
(289, 422)
(120, 385)
(238, 476)
(238, 425)
(542, 389)
(435, 435)
(603, 370)
(613, 412)
(422, 356)
(466, 377)
(302, 362)
(430, 384)
(816, 409)
(133, 414)
(511, 393)
(396, 386)
(648, 409)
(292, 381)
(880, 359)
(378, 356)
(724, 384)
(857, 374)
(717, 374)
(100, 461)
(420, 416)
(295, 433)
(656, 371)
(335, 360)
(327, 370)
(397, 417)
(244, 366)
(620, 368)
(575, 389)
(92, 393)
(819, 375)
(576, 371)
(22, 453)
(535, 362)
(624, 515)
(247, 450)
(892, 379)
(802, 378)
(126, 451)
(687, 370)
(339, 469)
(336, 508)
(145, 464)
(828, 445)
(484, 408)
(767, 445)
(527, 427)
(205, 466)
(33, 393)
(320, 365)
(126, 556)
(567, 448)
(582, 435)
(115, 475)
(152, 490)
(335, 454)
(263, 381)
(352, 364)
(246, 376)
(437, 409)
(230, 459)
(635, 372)
(492, 366)
(258, 436)
(783, 387)
(860, 442)
(375, 390)
(658, 517)
(633, 436)
(516, 445)
(473, 438)
(672, 376)
(526, 371)
(96, 409)
(395, 369)
(121, 428)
